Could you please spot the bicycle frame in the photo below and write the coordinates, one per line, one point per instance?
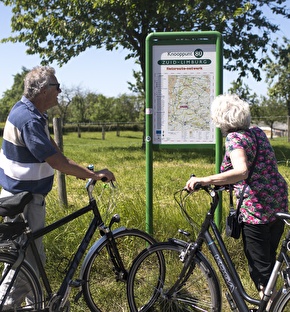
(225, 265)
(227, 270)
(96, 223)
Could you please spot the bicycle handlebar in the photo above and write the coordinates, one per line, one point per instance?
(212, 190)
(91, 183)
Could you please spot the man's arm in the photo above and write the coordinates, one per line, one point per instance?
(67, 166)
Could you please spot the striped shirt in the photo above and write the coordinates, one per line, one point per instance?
(26, 145)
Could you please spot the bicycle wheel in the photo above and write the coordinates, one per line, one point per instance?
(157, 269)
(281, 302)
(25, 294)
(104, 289)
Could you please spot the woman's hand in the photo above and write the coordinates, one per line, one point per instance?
(192, 183)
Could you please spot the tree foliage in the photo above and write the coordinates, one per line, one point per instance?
(278, 73)
(59, 30)
(272, 110)
(80, 106)
(244, 92)
(267, 110)
(13, 95)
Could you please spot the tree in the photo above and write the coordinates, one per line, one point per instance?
(125, 108)
(243, 91)
(278, 72)
(64, 101)
(272, 111)
(13, 95)
(278, 75)
(60, 30)
(79, 107)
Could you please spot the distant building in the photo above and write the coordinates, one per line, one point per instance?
(279, 129)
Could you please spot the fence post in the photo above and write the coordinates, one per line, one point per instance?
(79, 130)
(118, 129)
(103, 132)
(57, 129)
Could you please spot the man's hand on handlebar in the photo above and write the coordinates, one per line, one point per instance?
(105, 175)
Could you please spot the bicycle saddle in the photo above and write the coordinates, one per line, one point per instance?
(283, 215)
(13, 205)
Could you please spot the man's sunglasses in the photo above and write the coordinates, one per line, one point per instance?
(57, 85)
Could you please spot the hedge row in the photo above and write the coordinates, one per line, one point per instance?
(97, 127)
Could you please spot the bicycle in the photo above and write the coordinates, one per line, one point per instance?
(179, 277)
(104, 269)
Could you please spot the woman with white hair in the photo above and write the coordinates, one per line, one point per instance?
(266, 192)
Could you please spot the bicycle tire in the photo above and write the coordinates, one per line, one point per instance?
(26, 279)
(156, 270)
(102, 292)
(281, 302)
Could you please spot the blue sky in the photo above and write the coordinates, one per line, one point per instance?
(97, 70)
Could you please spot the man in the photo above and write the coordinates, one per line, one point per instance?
(29, 155)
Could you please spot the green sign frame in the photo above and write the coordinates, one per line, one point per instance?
(184, 72)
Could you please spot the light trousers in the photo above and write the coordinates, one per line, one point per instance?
(34, 213)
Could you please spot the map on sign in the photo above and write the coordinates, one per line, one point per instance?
(183, 89)
(188, 103)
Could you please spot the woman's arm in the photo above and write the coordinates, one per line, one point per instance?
(239, 172)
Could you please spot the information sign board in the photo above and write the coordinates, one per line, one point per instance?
(183, 88)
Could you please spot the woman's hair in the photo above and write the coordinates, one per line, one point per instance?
(36, 79)
(230, 113)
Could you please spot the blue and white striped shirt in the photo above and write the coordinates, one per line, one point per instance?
(26, 145)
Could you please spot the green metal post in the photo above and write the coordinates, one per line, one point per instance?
(148, 141)
(219, 141)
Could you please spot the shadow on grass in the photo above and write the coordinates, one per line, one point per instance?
(163, 155)
(207, 154)
(282, 153)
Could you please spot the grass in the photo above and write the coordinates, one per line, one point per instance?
(123, 155)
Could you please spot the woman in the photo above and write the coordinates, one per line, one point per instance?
(266, 193)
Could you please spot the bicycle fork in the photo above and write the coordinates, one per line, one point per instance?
(118, 265)
(185, 257)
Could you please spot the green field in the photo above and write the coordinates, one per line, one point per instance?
(123, 155)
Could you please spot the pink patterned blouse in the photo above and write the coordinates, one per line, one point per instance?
(267, 191)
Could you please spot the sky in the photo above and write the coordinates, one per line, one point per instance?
(97, 70)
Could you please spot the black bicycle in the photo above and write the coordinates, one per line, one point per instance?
(103, 272)
(176, 276)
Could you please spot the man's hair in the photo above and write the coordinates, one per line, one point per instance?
(38, 78)
(230, 113)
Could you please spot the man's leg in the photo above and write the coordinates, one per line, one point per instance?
(35, 214)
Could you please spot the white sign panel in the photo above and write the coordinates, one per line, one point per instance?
(183, 89)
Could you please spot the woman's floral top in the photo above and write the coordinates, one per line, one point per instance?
(267, 191)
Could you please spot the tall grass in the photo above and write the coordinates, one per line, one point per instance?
(123, 155)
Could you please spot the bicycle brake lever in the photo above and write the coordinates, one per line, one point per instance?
(105, 180)
(112, 184)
